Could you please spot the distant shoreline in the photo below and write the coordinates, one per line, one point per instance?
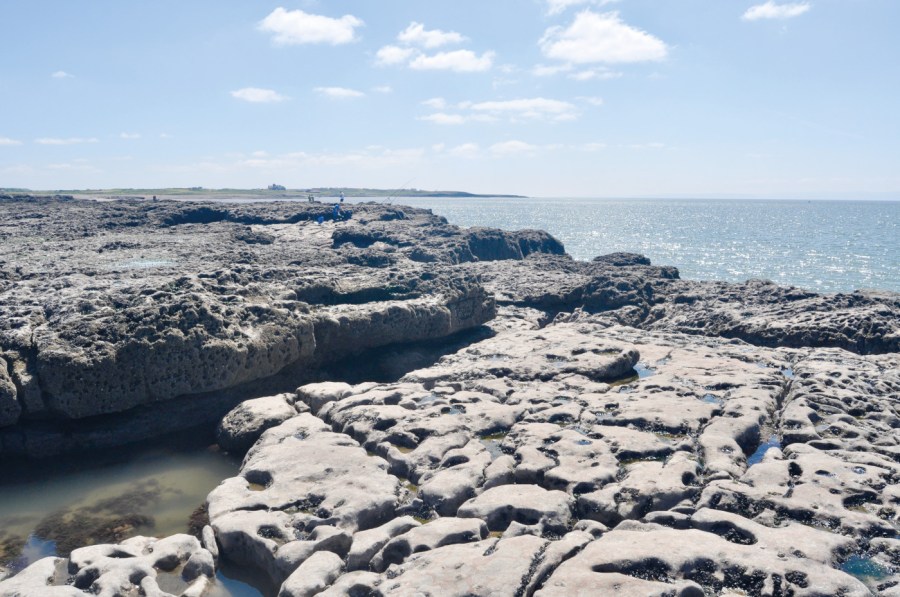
(272, 194)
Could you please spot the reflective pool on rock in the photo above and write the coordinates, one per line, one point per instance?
(51, 508)
(865, 569)
(760, 453)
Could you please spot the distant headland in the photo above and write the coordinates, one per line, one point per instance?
(273, 192)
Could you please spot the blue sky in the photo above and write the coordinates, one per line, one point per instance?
(607, 98)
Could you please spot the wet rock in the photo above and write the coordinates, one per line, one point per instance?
(47, 577)
(10, 409)
(176, 565)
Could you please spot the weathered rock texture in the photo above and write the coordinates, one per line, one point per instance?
(654, 479)
(618, 431)
(112, 307)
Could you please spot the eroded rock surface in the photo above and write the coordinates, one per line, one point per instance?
(616, 431)
(177, 565)
(133, 306)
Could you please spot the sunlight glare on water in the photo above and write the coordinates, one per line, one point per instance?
(825, 246)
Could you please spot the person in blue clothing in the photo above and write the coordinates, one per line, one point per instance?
(336, 212)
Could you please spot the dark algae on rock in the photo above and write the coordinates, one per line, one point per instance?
(549, 427)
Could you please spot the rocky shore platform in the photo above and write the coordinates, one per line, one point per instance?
(428, 410)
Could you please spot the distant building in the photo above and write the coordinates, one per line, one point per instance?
(277, 187)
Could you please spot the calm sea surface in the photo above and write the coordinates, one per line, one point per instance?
(826, 246)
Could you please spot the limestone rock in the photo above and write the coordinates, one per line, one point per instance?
(246, 422)
(312, 576)
(437, 533)
(526, 504)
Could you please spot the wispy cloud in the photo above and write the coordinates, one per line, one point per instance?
(67, 141)
(130, 135)
(651, 145)
(438, 103)
(507, 148)
(557, 6)
(6, 141)
(383, 89)
(417, 35)
(537, 108)
(461, 61)
(592, 100)
(444, 118)
(339, 92)
(515, 110)
(602, 38)
(771, 10)
(258, 96)
(465, 150)
(61, 74)
(295, 27)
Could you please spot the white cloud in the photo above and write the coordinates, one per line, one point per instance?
(69, 141)
(537, 108)
(466, 150)
(438, 103)
(595, 146)
(6, 141)
(416, 34)
(604, 37)
(590, 74)
(339, 92)
(513, 148)
(383, 89)
(515, 110)
(592, 100)
(389, 55)
(130, 135)
(258, 96)
(61, 74)
(770, 10)
(558, 6)
(165, 136)
(444, 118)
(294, 27)
(461, 61)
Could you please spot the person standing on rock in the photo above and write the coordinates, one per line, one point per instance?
(342, 196)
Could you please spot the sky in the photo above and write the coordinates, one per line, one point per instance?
(585, 98)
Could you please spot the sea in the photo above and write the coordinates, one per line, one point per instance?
(823, 246)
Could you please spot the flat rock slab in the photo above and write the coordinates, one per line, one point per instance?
(662, 555)
(525, 504)
(298, 481)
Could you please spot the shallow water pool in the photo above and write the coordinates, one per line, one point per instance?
(50, 508)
